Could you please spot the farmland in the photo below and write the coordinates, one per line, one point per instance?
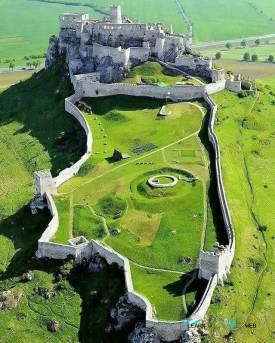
(37, 20)
(219, 20)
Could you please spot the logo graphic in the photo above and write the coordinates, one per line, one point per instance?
(232, 324)
(187, 321)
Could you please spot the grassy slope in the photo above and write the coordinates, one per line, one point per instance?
(220, 20)
(247, 158)
(161, 288)
(26, 109)
(20, 230)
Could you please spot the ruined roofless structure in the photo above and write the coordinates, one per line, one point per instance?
(113, 45)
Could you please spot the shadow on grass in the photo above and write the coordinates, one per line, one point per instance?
(109, 285)
(123, 103)
(213, 197)
(175, 288)
(23, 230)
(37, 104)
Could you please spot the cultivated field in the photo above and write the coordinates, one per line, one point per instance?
(218, 20)
(248, 169)
(10, 78)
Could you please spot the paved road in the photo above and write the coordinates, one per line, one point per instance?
(248, 39)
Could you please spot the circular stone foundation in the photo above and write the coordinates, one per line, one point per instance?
(154, 181)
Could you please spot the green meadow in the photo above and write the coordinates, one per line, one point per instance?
(111, 200)
(247, 156)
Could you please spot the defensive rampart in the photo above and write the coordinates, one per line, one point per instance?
(224, 206)
(68, 173)
(177, 92)
(166, 330)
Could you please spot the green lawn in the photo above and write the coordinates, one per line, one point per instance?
(247, 156)
(163, 290)
(152, 73)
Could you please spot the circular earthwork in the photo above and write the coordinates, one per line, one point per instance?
(157, 181)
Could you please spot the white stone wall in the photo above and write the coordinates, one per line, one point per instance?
(233, 86)
(182, 92)
(68, 173)
(54, 223)
(221, 191)
(69, 20)
(140, 53)
(118, 55)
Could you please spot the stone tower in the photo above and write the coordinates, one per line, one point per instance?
(115, 14)
(44, 182)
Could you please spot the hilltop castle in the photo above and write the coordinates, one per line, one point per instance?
(113, 45)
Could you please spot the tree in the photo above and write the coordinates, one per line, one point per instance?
(257, 42)
(254, 58)
(218, 55)
(246, 56)
(271, 58)
(266, 41)
(11, 66)
(29, 64)
(228, 45)
(35, 64)
(243, 43)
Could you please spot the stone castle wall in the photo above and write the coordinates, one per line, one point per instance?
(118, 55)
(68, 173)
(221, 191)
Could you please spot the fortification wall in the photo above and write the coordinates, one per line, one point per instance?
(233, 86)
(140, 53)
(205, 302)
(67, 173)
(183, 92)
(69, 20)
(221, 192)
(54, 223)
(118, 55)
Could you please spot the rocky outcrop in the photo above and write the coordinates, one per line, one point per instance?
(53, 52)
(124, 313)
(110, 71)
(142, 334)
(96, 264)
(191, 336)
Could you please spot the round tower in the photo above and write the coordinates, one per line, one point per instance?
(115, 14)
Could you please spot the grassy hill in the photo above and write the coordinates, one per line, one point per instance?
(32, 122)
(248, 169)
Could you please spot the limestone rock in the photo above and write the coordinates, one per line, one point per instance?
(96, 264)
(27, 276)
(124, 312)
(142, 334)
(38, 202)
(53, 51)
(191, 336)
